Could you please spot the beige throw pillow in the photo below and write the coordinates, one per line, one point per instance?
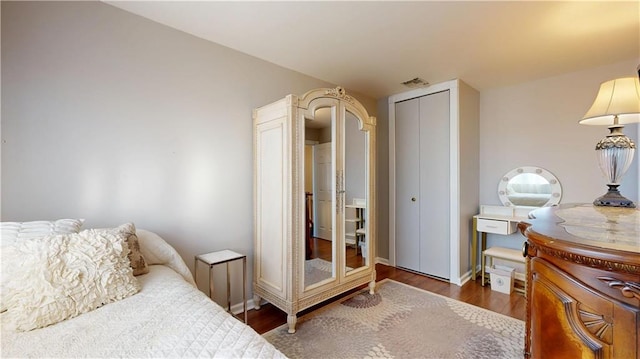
(11, 232)
(138, 264)
(65, 275)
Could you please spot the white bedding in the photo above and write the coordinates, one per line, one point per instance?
(169, 317)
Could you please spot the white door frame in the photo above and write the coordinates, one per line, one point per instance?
(454, 173)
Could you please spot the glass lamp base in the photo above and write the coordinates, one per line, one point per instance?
(613, 198)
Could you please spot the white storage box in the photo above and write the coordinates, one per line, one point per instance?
(502, 278)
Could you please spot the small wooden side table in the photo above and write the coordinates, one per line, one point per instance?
(220, 257)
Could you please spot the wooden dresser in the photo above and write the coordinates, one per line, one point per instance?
(583, 296)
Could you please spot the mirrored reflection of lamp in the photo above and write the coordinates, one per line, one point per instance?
(617, 103)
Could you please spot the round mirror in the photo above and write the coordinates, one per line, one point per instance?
(529, 186)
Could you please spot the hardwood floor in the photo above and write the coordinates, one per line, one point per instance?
(270, 317)
(321, 248)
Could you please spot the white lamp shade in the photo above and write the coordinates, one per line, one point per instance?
(619, 97)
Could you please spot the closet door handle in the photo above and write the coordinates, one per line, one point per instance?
(413, 199)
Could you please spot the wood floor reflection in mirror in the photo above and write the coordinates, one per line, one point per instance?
(321, 248)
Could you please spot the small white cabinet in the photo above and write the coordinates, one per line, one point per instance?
(297, 265)
(355, 233)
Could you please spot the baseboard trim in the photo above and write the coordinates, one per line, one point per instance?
(237, 308)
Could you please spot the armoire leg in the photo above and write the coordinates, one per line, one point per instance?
(372, 284)
(291, 320)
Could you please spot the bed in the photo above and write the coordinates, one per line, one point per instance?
(168, 317)
(529, 194)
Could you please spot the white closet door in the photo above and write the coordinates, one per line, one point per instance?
(407, 163)
(434, 184)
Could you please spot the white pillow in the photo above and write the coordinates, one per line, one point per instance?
(65, 275)
(12, 231)
(156, 250)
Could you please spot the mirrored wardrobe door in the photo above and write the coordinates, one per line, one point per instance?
(354, 185)
(319, 188)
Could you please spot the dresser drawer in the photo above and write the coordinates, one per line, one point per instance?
(495, 226)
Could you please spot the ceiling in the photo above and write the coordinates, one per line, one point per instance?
(371, 47)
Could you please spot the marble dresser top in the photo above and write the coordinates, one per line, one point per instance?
(606, 227)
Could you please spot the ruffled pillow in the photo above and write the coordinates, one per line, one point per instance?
(138, 263)
(64, 276)
(11, 232)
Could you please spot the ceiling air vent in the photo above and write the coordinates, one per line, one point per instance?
(416, 82)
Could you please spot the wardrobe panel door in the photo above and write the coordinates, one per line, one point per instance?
(272, 224)
(434, 184)
(355, 185)
(320, 122)
(407, 184)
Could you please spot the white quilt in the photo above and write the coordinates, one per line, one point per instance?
(169, 317)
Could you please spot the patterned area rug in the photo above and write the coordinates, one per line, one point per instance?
(316, 270)
(401, 321)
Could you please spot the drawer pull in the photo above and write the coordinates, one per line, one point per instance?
(629, 289)
(525, 249)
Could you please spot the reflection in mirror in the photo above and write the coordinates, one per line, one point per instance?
(356, 214)
(319, 195)
(529, 186)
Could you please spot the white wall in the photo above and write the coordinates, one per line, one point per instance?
(112, 117)
(355, 142)
(536, 124)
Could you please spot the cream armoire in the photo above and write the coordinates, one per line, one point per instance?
(314, 205)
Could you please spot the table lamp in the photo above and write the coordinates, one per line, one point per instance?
(617, 103)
